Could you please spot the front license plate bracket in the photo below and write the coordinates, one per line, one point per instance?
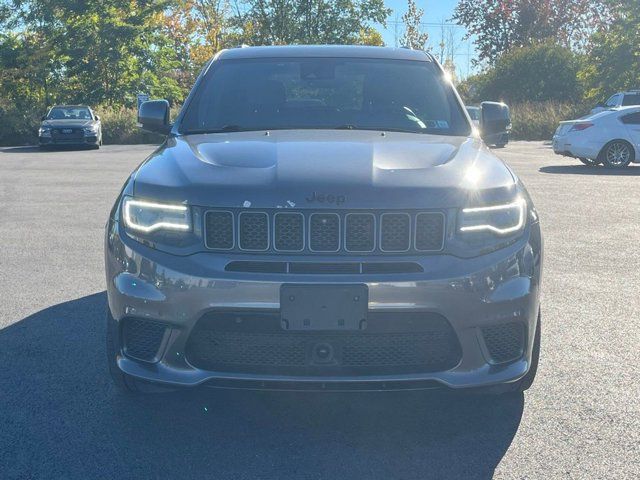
(324, 307)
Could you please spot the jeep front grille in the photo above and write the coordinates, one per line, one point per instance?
(325, 232)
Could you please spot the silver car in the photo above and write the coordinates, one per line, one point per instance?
(323, 218)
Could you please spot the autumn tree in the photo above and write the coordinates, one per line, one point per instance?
(413, 36)
(500, 25)
(280, 22)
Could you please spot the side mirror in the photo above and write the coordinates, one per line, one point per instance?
(97, 118)
(43, 118)
(600, 105)
(153, 116)
(495, 119)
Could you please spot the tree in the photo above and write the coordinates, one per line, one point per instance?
(614, 61)
(413, 37)
(281, 22)
(93, 51)
(536, 73)
(500, 25)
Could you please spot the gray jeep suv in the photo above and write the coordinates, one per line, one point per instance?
(323, 218)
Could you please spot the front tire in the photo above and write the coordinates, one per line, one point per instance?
(617, 154)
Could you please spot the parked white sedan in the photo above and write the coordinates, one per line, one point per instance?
(611, 137)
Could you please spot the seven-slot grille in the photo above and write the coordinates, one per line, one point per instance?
(325, 232)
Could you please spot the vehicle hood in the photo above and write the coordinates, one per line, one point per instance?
(323, 169)
(68, 123)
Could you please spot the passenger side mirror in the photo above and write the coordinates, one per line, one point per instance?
(495, 119)
(153, 116)
(97, 118)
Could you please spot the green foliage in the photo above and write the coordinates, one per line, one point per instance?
(120, 125)
(413, 36)
(499, 26)
(539, 120)
(613, 64)
(540, 72)
(280, 22)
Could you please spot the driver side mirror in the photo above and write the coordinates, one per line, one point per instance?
(153, 116)
(97, 118)
(495, 119)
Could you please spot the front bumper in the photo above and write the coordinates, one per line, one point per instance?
(75, 141)
(494, 289)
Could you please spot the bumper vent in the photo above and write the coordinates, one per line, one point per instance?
(504, 342)
(314, 232)
(255, 343)
(142, 338)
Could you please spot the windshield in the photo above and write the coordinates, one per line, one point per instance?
(69, 113)
(325, 93)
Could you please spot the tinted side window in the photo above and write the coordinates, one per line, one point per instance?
(632, 119)
(633, 99)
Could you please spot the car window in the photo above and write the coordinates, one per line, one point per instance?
(321, 93)
(631, 119)
(613, 101)
(631, 99)
(69, 113)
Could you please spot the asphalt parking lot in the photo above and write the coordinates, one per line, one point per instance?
(61, 417)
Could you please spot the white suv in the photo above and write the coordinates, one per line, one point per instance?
(622, 99)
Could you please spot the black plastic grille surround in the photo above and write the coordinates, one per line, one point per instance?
(318, 232)
(504, 342)
(254, 342)
(142, 338)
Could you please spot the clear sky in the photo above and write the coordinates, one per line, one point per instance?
(436, 12)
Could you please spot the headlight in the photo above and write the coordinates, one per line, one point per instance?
(44, 132)
(145, 216)
(498, 219)
(92, 130)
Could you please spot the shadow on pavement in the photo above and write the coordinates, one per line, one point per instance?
(37, 149)
(63, 419)
(585, 170)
